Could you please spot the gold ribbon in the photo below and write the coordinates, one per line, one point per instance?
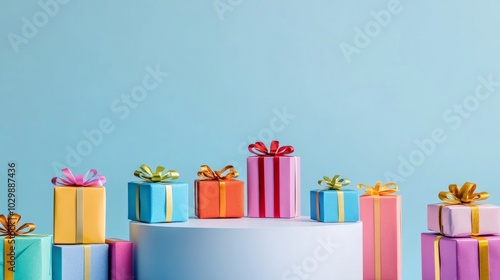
(463, 196)
(158, 176)
(437, 258)
(86, 262)
(377, 191)
(207, 173)
(10, 230)
(79, 215)
(334, 184)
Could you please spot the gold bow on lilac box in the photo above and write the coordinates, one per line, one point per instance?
(334, 184)
(9, 228)
(463, 196)
(146, 174)
(225, 173)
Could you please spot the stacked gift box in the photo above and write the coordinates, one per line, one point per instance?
(466, 244)
(80, 249)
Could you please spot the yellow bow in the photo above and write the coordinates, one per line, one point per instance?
(146, 174)
(9, 225)
(335, 183)
(464, 195)
(380, 189)
(207, 173)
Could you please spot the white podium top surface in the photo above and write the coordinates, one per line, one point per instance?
(245, 222)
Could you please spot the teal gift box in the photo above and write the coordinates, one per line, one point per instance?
(79, 262)
(33, 256)
(158, 202)
(325, 206)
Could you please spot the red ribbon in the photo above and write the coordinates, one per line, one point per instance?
(260, 149)
(275, 151)
(80, 180)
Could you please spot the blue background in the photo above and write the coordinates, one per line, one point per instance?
(231, 75)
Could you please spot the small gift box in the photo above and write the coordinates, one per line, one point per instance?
(474, 258)
(24, 255)
(217, 194)
(380, 212)
(460, 216)
(79, 208)
(120, 259)
(79, 262)
(332, 204)
(158, 199)
(273, 181)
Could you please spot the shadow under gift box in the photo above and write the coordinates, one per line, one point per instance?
(33, 257)
(210, 198)
(79, 262)
(158, 202)
(120, 259)
(389, 236)
(456, 219)
(79, 215)
(325, 204)
(459, 258)
(273, 186)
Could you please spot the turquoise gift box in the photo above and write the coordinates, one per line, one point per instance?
(325, 205)
(33, 257)
(79, 262)
(161, 202)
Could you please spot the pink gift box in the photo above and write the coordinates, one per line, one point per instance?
(266, 196)
(456, 219)
(120, 259)
(390, 237)
(458, 257)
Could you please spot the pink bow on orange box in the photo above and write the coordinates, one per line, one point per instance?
(80, 180)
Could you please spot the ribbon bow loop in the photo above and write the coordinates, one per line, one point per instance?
(207, 173)
(463, 195)
(155, 177)
(8, 225)
(379, 189)
(335, 183)
(79, 180)
(260, 149)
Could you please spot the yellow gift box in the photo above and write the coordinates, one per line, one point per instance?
(79, 209)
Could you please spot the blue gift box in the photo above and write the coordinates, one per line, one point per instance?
(74, 261)
(32, 257)
(158, 202)
(326, 202)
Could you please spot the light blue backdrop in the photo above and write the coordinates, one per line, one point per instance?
(355, 87)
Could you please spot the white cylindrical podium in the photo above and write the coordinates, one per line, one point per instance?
(248, 249)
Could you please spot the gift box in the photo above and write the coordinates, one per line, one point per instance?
(463, 258)
(273, 182)
(120, 259)
(75, 262)
(217, 195)
(380, 212)
(79, 208)
(157, 200)
(460, 216)
(24, 255)
(333, 204)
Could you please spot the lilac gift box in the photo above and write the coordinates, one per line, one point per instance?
(458, 257)
(456, 219)
(273, 186)
(120, 259)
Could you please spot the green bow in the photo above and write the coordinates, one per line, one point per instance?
(335, 183)
(146, 174)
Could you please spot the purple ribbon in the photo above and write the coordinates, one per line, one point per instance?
(79, 179)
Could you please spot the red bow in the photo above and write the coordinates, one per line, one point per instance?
(260, 149)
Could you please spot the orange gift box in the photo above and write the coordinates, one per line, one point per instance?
(218, 196)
